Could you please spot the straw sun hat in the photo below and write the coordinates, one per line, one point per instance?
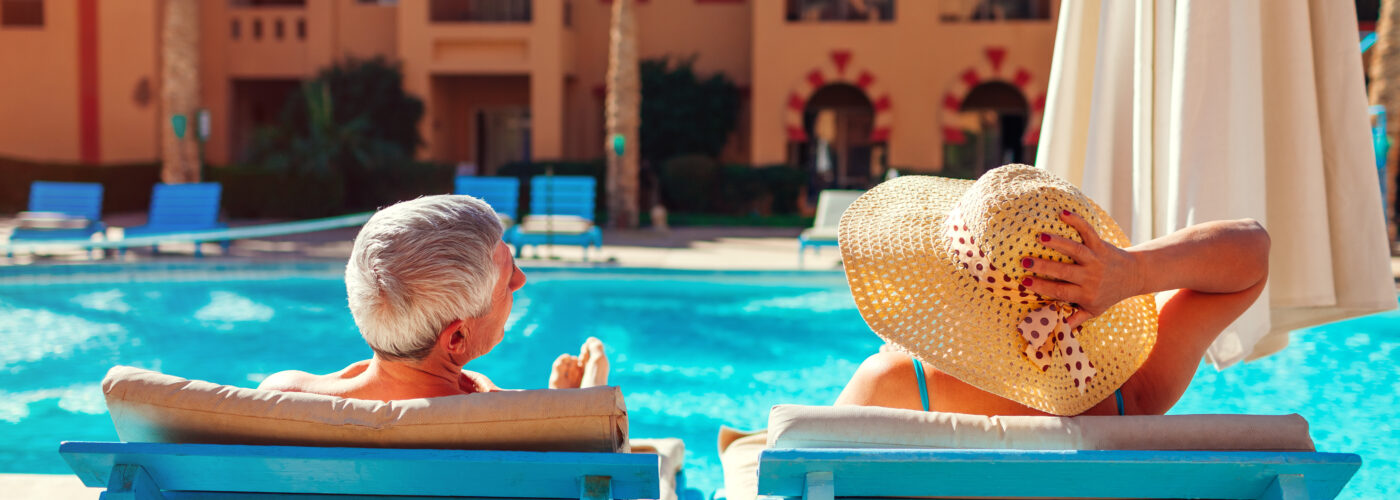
(934, 266)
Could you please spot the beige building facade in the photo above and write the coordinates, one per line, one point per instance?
(844, 88)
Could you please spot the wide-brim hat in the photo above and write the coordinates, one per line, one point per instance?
(934, 266)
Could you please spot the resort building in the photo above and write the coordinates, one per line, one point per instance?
(843, 88)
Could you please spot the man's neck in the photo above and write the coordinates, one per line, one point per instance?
(428, 377)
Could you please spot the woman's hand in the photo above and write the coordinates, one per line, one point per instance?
(1101, 275)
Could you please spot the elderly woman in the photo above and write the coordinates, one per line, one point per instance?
(1014, 296)
(430, 286)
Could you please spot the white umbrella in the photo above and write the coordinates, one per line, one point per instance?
(1175, 112)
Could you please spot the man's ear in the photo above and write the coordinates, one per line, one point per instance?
(453, 337)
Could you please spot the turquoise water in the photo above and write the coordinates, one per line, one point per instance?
(691, 350)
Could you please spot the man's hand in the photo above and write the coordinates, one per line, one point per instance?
(588, 369)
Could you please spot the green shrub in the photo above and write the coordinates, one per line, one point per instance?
(125, 188)
(344, 142)
(742, 191)
(683, 114)
(689, 183)
(785, 184)
(252, 191)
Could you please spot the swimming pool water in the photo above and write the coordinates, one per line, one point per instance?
(691, 350)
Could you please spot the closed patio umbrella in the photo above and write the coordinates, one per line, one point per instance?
(1175, 112)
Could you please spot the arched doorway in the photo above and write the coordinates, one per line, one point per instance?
(839, 154)
(993, 119)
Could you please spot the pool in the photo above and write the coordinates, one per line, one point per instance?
(691, 350)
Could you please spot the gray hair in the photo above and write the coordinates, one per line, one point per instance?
(419, 265)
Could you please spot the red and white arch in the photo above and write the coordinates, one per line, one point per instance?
(993, 68)
(838, 70)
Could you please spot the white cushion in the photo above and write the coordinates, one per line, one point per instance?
(556, 224)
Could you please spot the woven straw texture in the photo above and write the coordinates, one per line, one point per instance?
(912, 290)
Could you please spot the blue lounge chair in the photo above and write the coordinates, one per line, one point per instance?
(561, 212)
(165, 470)
(502, 193)
(78, 200)
(830, 206)
(822, 474)
(181, 208)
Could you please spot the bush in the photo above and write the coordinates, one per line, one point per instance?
(699, 184)
(252, 191)
(125, 188)
(689, 183)
(785, 184)
(682, 114)
(344, 142)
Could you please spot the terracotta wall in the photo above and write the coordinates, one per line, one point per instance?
(39, 87)
(719, 33)
(913, 64)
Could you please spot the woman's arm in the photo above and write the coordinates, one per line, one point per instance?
(1218, 269)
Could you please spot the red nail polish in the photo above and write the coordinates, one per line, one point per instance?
(1066, 212)
(1044, 237)
(1026, 282)
(1026, 262)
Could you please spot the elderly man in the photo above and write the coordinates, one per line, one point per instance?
(430, 285)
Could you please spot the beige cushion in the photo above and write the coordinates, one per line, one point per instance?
(738, 458)
(794, 426)
(147, 406)
(672, 453)
(556, 224)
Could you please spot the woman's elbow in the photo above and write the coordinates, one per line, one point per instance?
(1256, 246)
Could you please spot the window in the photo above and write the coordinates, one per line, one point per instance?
(840, 10)
(22, 13)
(268, 3)
(994, 10)
(480, 11)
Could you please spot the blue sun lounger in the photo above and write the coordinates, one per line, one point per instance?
(502, 193)
(181, 208)
(561, 212)
(823, 474)
(78, 200)
(170, 471)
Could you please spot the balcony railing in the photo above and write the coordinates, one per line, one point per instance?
(840, 10)
(480, 11)
(267, 24)
(993, 10)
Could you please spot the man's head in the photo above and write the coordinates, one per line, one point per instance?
(420, 266)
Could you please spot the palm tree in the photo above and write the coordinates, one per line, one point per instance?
(1385, 90)
(180, 90)
(622, 113)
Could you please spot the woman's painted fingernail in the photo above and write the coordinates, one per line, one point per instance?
(1026, 262)
(1066, 212)
(1026, 282)
(1044, 237)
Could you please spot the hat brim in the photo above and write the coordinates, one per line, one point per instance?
(912, 294)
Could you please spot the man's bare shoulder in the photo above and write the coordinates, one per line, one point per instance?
(290, 380)
(300, 381)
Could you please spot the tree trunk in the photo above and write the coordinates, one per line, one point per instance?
(1385, 91)
(623, 115)
(180, 91)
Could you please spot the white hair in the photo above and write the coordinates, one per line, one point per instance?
(418, 266)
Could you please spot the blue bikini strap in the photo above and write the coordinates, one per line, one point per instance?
(923, 384)
(1119, 394)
